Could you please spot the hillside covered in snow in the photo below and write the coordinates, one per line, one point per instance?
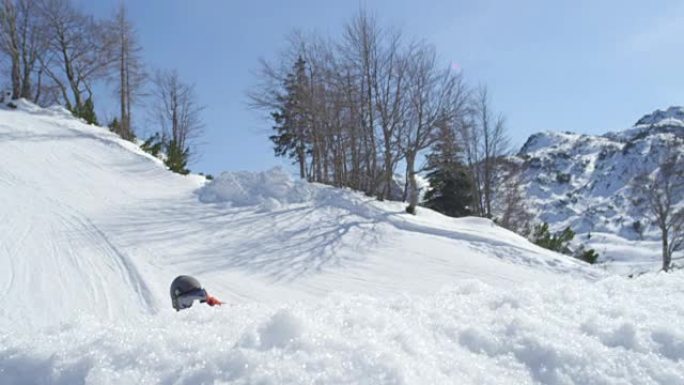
(322, 286)
(583, 182)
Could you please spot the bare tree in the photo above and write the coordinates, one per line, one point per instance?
(485, 142)
(344, 135)
(515, 214)
(435, 97)
(178, 114)
(371, 101)
(130, 72)
(390, 88)
(22, 39)
(315, 105)
(470, 139)
(10, 43)
(360, 49)
(79, 53)
(660, 192)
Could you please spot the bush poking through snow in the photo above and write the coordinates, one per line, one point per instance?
(86, 112)
(560, 242)
(153, 145)
(557, 242)
(586, 255)
(177, 157)
(174, 157)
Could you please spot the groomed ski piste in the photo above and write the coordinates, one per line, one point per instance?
(322, 285)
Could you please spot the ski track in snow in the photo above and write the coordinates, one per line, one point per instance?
(86, 233)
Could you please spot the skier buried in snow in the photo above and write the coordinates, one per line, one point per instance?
(186, 289)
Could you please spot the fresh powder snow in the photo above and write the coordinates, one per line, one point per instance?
(322, 285)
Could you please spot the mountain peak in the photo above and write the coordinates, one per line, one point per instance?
(673, 116)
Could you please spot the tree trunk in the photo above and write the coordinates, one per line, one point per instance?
(26, 82)
(326, 159)
(129, 127)
(388, 166)
(301, 158)
(413, 185)
(371, 132)
(39, 86)
(123, 127)
(16, 76)
(355, 164)
(407, 186)
(667, 258)
(488, 186)
(71, 77)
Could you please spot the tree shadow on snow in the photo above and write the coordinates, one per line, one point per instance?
(282, 244)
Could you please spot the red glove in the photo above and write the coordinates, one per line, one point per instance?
(212, 301)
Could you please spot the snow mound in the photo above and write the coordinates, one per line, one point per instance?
(270, 188)
(470, 333)
(56, 111)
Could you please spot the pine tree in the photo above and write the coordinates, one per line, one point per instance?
(86, 111)
(153, 145)
(450, 183)
(557, 242)
(177, 157)
(114, 126)
(291, 137)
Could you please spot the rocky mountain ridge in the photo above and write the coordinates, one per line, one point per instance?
(583, 181)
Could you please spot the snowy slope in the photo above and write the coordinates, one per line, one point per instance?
(323, 285)
(97, 226)
(583, 182)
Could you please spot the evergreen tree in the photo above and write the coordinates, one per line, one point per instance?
(291, 120)
(114, 126)
(587, 255)
(557, 242)
(86, 111)
(177, 157)
(153, 145)
(450, 183)
(560, 242)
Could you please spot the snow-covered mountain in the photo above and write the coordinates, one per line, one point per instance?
(583, 181)
(322, 285)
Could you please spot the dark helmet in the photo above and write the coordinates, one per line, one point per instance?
(184, 290)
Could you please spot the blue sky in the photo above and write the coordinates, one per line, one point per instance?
(582, 66)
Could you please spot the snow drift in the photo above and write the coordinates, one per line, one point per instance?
(471, 333)
(274, 187)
